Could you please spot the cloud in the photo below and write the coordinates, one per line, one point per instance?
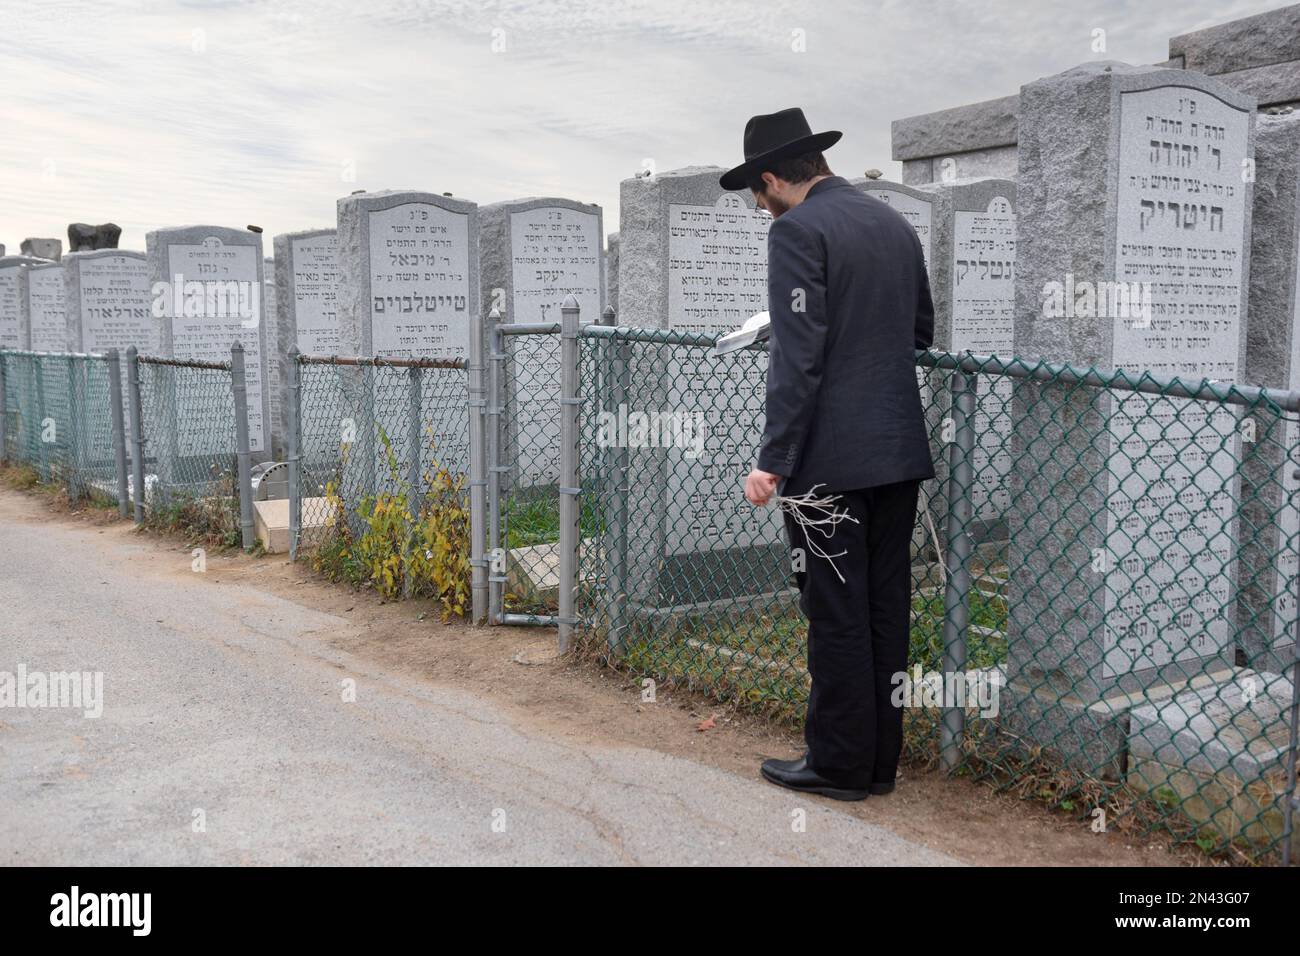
(166, 112)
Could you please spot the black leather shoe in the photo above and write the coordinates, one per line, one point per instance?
(880, 789)
(797, 775)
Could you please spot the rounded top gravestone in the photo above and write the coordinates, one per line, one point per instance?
(408, 274)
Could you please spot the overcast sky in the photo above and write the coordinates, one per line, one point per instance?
(156, 113)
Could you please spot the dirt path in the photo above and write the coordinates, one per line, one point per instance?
(267, 625)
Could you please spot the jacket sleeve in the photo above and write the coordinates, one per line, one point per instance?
(796, 295)
(924, 305)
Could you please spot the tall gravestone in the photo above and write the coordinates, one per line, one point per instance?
(109, 306)
(408, 274)
(693, 258)
(306, 282)
(276, 348)
(973, 287)
(109, 302)
(12, 331)
(1122, 524)
(42, 327)
(914, 205)
(967, 229)
(1267, 609)
(408, 284)
(208, 283)
(20, 388)
(533, 253)
(43, 320)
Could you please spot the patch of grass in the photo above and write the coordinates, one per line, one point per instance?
(532, 517)
(988, 613)
(20, 477)
(756, 662)
(25, 478)
(211, 520)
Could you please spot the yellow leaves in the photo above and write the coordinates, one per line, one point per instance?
(426, 556)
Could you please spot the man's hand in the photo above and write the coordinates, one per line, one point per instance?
(759, 487)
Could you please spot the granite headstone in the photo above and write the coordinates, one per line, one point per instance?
(1123, 550)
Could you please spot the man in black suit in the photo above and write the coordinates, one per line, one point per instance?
(850, 302)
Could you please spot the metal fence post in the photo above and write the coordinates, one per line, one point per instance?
(71, 443)
(415, 435)
(1291, 801)
(477, 472)
(614, 394)
(4, 410)
(114, 363)
(243, 455)
(42, 446)
(415, 401)
(496, 551)
(956, 598)
(293, 448)
(136, 412)
(569, 482)
(372, 376)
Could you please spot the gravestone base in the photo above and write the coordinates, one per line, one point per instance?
(271, 520)
(1219, 750)
(699, 576)
(1091, 737)
(533, 573)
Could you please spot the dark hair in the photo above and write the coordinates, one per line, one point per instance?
(793, 169)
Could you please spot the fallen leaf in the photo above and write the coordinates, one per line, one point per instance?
(707, 724)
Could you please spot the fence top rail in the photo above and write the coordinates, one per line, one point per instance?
(382, 362)
(1203, 389)
(653, 336)
(529, 328)
(182, 363)
(1117, 379)
(28, 353)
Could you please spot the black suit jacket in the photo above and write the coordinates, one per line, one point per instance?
(843, 406)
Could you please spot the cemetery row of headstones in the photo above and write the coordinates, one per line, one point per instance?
(1145, 563)
(1126, 176)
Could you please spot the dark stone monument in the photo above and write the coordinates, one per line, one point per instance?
(83, 237)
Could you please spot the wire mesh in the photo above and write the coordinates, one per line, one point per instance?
(1131, 553)
(189, 455)
(58, 421)
(530, 473)
(1111, 558)
(384, 456)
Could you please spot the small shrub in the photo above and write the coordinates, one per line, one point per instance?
(396, 554)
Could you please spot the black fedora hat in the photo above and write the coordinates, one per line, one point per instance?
(773, 136)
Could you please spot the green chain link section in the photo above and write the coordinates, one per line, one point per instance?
(58, 422)
(1123, 558)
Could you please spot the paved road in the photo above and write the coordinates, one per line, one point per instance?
(223, 699)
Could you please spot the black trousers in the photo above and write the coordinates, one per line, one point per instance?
(858, 633)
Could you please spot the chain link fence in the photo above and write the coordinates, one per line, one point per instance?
(185, 451)
(164, 439)
(379, 486)
(57, 418)
(524, 470)
(1104, 567)
(1104, 574)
